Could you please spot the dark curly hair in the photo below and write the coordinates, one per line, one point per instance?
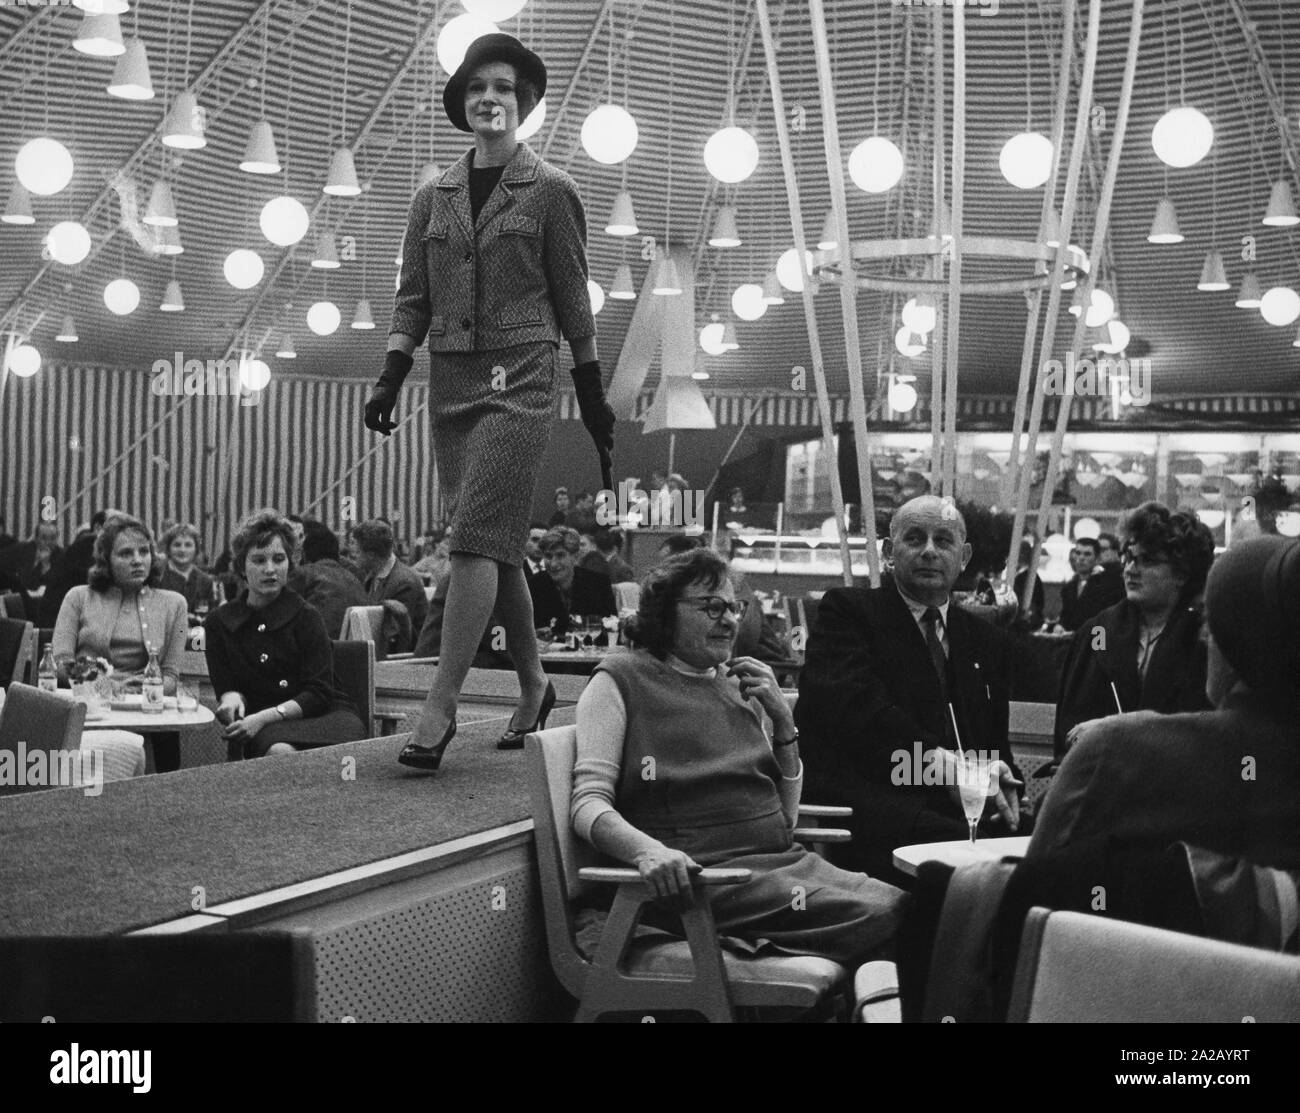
(1176, 535)
(655, 622)
(100, 577)
(258, 529)
(559, 537)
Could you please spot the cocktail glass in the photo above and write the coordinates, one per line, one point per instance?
(973, 775)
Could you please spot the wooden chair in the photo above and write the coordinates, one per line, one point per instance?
(354, 673)
(41, 721)
(637, 975)
(18, 661)
(12, 606)
(1079, 968)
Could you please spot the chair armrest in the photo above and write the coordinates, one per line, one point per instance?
(822, 834)
(621, 875)
(407, 656)
(387, 720)
(824, 811)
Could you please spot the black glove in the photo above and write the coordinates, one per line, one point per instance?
(596, 416)
(379, 410)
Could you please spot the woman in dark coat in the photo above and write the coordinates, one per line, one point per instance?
(269, 657)
(495, 273)
(1145, 653)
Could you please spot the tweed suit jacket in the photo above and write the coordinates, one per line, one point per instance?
(517, 276)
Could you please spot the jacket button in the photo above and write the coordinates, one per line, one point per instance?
(284, 684)
(262, 628)
(264, 658)
(469, 256)
(465, 322)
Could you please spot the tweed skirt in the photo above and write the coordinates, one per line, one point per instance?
(490, 417)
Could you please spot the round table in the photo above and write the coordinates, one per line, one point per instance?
(168, 720)
(959, 852)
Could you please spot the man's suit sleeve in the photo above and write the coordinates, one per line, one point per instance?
(844, 706)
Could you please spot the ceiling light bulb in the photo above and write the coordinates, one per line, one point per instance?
(876, 164)
(284, 221)
(731, 154)
(1026, 160)
(902, 397)
(43, 166)
(609, 134)
(244, 268)
(122, 296)
(68, 242)
(323, 318)
(1182, 137)
(24, 360)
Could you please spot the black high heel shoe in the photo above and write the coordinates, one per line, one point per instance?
(427, 757)
(514, 739)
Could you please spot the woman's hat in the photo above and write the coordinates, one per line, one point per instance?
(498, 47)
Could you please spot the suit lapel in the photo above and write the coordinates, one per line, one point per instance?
(1118, 659)
(454, 188)
(519, 171)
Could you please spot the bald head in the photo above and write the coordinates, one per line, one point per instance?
(927, 509)
(927, 543)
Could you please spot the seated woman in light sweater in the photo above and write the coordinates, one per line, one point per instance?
(121, 613)
(720, 791)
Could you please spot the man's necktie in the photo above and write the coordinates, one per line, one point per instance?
(930, 620)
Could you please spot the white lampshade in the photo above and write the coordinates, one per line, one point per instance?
(122, 296)
(622, 219)
(24, 360)
(286, 350)
(18, 209)
(724, 232)
(260, 155)
(169, 241)
(1281, 208)
(1296, 342)
(747, 301)
(131, 79)
(1026, 160)
(497, 10)
(429, 172)
(284, 221)
(173, 300)
(161, 212)
(700, 375)
(1214, 276)
(711, 339)
(596, 295)
(67, 333)
(1164, 228)
(43, 166)
(326, 257)
(243, 268)
(1117, 337)
(909, 343)
(729, 341)
(773, 292)
(609, 134)
(455, 37)
(622, 289)
(183, 128)
(787, 269)
(68, 242)
(902, 397)
(1280, 306)
(531, 124)
(342, 179)
(667, 282)
(362, 318)
(830, 235)
(254, 373)
(731, 154)
(920, 314)
(1182, 137)
(323, 318)
(98, 7)
(99, 36)
(1101, 310)
(1250, 293)
(876, 164)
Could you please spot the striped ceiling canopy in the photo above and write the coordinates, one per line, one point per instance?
(364, 74)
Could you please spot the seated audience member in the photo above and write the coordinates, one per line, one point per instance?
(675, 544)
(72, 568)
(1146, 652)
(180, 545)
(120, 613)
(1110, 556)
(609, 544)
(583, 515)
(886, 670)
(28, 567)
(564, 589)
(736, 512)
(533, 562)
(385, 577)
(322, 581)
(590, 557)
(269, 656)
(1092, 589)
(562, 505)
(726, 792)
(1032, 618)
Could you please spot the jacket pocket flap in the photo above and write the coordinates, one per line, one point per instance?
(521, 225)
(437, 229)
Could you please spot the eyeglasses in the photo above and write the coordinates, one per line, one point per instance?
(716, 607)
(1142, 561)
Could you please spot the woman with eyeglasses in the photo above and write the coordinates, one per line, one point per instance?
(677, 771)
(1146, 652)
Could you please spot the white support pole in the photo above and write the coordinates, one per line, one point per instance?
(954, 267)
(848, 282)
(938, 105)
(809, 310)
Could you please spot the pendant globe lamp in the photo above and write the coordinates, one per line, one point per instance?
(1182, 137)
(621, 289)
(18, 209)
(100, 36)
(44, 166)
(1249, 293)
(1281, 207)
(724, 232)
(1214, 277)
(342, 180)
(131, 78)
(260, 154)
(1280, 306)
(1164, 228)
(609, 134)
(161, 212)
(622, 218)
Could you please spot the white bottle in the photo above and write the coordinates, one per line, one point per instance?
(153, 685)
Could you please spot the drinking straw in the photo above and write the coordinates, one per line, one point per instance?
(1119, 707)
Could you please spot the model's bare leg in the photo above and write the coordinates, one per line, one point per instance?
(515, 610)
(471, 593)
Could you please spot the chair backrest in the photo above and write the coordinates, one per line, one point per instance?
(627, 596)
(12, 606)
(354, 676)
(364, 624)
(40, 721)
(560, 853)
(17, 652)
(1079, 968)
(811, 605)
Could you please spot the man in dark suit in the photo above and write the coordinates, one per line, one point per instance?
(1095, 586)
(886, 671)
(564, 589)
(385, 577)
(323, 581)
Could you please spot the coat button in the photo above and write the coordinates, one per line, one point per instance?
(264, 658)
(465, 322)
(262, 628)
(284, 684)
(469, 256)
